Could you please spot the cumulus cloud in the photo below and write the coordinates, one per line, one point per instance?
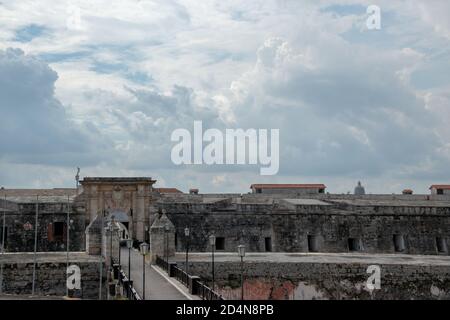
(34, 126)
(351, 103)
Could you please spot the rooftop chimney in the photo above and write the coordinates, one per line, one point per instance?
(193, 191)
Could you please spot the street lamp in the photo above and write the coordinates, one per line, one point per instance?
(241, 252)
(212, 243)
(186, 233)
(166, 233)
(119, 237)
(129, 246)
(111, 229)
(144, 251)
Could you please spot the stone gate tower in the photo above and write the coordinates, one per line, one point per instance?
(127, 199)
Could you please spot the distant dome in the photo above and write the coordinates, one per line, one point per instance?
(359, 189)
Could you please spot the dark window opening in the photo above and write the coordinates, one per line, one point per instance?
(258, 191)
(58, 231)
(268, 244)
(440, 191)
(354, 244)
(399, 243)
(313, 245)
(220, 243)
(441, 245)
(321, 190)
(124, 232)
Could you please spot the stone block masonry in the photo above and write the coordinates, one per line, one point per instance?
(52, 228)
(51, 274)
(313, 225)
(326, 276)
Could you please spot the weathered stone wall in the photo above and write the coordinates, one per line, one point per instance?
(51, 279)
(331, 225)
(307, 281)
(20, 226)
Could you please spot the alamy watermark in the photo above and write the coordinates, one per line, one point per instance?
(235, 146)
(374, 280)
(373, 22)
(73, 277)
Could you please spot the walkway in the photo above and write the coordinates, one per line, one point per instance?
(157, 286)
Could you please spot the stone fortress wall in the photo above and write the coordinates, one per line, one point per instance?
(412, 224)
(326, 223)
(291, 223)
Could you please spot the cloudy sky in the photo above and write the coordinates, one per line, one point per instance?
(102, 84)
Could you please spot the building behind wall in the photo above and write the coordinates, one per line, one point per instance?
(441, 189)
(299, 189)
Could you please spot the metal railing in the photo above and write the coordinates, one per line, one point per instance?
(128, 288)
(180, 275)
(163, 264)
(127, 284)
(205, 292)
(195, 285)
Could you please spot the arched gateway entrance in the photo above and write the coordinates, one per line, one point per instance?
(128, 199)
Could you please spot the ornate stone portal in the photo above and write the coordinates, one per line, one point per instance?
(128, 198)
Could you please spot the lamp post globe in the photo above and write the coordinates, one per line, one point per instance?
(129, 243)
(212, 240)
(144, 248)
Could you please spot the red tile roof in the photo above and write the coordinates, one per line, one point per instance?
(287, 186)
(167, 190)
(440, 186)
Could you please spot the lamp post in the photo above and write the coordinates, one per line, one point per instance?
(144, 252)
(119, 236)
(166, 233)
(212, 243)
(186, 233)
(241, 252)
(111, 229)
(129, 246)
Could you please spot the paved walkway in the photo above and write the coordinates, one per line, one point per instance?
(157, 287)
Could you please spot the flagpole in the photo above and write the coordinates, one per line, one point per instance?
(101, 259)
(35, 245)
(3, 243)
(67, 241)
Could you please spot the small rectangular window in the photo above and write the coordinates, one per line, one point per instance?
(58, 231)
(220, 243)
(440, 191)
(399, 243)
(441, 245)
(354, 244)
(313, 245)
(258, 190)
(268, 244)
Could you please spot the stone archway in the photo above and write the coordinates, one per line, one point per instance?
(122, 220)
(129, 198)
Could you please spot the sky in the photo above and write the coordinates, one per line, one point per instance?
(101, 85)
